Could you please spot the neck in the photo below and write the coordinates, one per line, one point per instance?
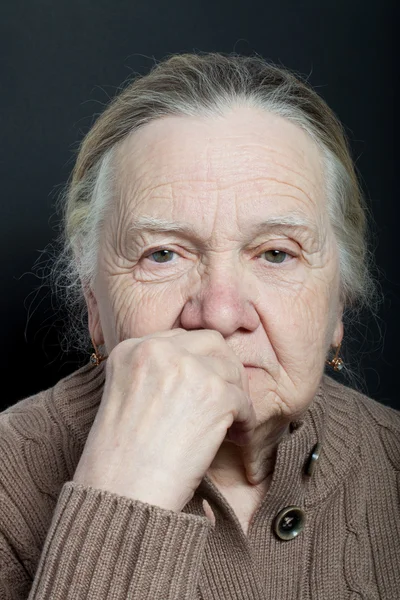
(248, 466)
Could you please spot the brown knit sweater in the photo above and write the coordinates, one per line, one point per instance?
(60, 540)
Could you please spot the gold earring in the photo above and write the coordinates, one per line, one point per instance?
(336, 363)
(96, 358)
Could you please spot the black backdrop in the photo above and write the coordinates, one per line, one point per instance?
(60, 63)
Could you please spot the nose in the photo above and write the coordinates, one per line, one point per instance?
(222, 302)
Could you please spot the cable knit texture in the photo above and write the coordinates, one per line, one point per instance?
(60, 540)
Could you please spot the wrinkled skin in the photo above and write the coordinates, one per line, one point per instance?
(277, 311)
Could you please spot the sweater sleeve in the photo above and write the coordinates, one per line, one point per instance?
(101, 545)
(60, 540)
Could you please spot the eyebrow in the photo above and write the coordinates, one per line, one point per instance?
(157, 225)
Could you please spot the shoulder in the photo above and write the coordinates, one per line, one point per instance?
(56, 409)
(42, 436)
(33, 436)
(40, 441)
(29, 425)
(44, 427)
(39, 450)
(32, 470)
(372, 421)
(377, 413)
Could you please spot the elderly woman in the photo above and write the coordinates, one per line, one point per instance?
(215, 233)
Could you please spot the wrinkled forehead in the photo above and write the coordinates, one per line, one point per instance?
(246, 153)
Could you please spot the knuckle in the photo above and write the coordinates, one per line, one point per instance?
(187, 363)
(237, 371)
(150, 353)
(150, 346)
(242, 372)
(119, 352)
(216, 335)
(119, 356)
(217, 385)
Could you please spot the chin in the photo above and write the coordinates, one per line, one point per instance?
(265, 401)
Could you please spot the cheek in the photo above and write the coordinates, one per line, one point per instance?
(296, 326)
(296, 323)
(143, 309)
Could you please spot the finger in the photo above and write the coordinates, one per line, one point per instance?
(229, 371)
(204, 342)
(209, 342)
(244, 424)
(166, 333)
(198, 341)
(240, 403)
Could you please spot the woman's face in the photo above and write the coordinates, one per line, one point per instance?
(221, 223)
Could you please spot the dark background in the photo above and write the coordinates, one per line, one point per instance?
(61, 62)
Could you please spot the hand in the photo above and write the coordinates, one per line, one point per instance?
(169, 399)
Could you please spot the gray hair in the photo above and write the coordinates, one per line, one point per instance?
(195, 85)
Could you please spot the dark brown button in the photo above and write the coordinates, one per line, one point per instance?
(312, 461)
(289, 522)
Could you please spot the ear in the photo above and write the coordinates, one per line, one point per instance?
(338, 332)
(95, 329)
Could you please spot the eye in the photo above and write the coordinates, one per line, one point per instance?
(275, 256)
(161, 256)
